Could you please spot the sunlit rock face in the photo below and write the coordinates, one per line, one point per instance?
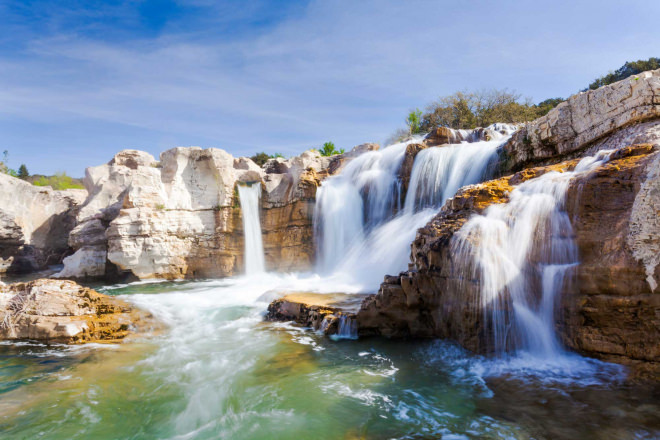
(584, 119)
(63, 311)
(180, 217)
(607, 306)
(34, 224)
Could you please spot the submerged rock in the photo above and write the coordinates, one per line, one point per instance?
(63, 311)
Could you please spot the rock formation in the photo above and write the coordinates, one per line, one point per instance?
(34, 224)
(610, 307)
(328, 313)
(62, 311)
(180, 217)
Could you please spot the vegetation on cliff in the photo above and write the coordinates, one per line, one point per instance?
(472, 109)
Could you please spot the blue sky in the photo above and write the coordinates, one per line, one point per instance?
(81, 80)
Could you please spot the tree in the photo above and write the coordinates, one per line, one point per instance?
(261, 158)
(628, 69)
(23, 172)
(328, 149)
(414, 120)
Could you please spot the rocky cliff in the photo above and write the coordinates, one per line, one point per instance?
(34, 224)
(180, 217)
(610, 306)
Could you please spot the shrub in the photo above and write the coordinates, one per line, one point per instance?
(623, 72)
(59, 181)
(329, 149)
(414, 121)
(261, 158)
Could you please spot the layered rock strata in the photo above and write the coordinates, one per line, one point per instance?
(63, 311)
(610, 311)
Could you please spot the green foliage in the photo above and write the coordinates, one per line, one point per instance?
(414, 121)
(623, 72)
(160, 206)
(59, 181)
(329, 149)
(465, 110)
(261, 158)
(23, 172)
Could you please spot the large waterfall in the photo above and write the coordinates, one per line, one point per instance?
(520, 252)
(365, 224)
(250, 196)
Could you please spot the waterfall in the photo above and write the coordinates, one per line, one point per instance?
(363, 223)
(249, 196)
(520, 252)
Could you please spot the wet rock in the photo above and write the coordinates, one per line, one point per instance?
(331, 313)
(611, 308)
(63, 311)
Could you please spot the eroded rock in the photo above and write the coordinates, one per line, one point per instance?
(63, 311)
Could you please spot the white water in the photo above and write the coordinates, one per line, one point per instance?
(514, 248)
(254, 249)
(363, 230)
(439, 172)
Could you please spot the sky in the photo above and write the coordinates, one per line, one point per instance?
(82, 80)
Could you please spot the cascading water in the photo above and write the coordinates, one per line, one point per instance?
(515, 247)
(361, 228)
(249, 196)
(439, 172)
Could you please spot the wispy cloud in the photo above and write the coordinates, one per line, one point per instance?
(287, 79)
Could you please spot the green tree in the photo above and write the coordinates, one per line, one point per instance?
(23, 172)
(329, 149)
(261, 158)
(628, 69)
(414, 121)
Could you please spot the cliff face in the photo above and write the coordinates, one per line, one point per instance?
(582, 120)
(610, 309)
(34, 224)
(180, 217)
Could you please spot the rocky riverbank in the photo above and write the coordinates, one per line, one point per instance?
(62, 311)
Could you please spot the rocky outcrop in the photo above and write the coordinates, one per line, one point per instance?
(328, 313)
(63, 311)
(583, 120)
(180, 217)
(34, 224)
(610, 311)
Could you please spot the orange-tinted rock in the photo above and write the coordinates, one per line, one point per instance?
(63, 311)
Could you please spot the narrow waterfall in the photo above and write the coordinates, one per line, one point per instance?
(520, 252)
(363, 228)
(250, 196)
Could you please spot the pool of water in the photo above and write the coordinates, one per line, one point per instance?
(219, 371)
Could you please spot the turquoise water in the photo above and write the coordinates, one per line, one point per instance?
(218, 371)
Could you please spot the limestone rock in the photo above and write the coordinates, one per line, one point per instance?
(34, 224)
(63, 311)
(584, 119)
(180, 217)
(610, 311)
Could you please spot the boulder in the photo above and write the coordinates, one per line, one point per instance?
(63, 311)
